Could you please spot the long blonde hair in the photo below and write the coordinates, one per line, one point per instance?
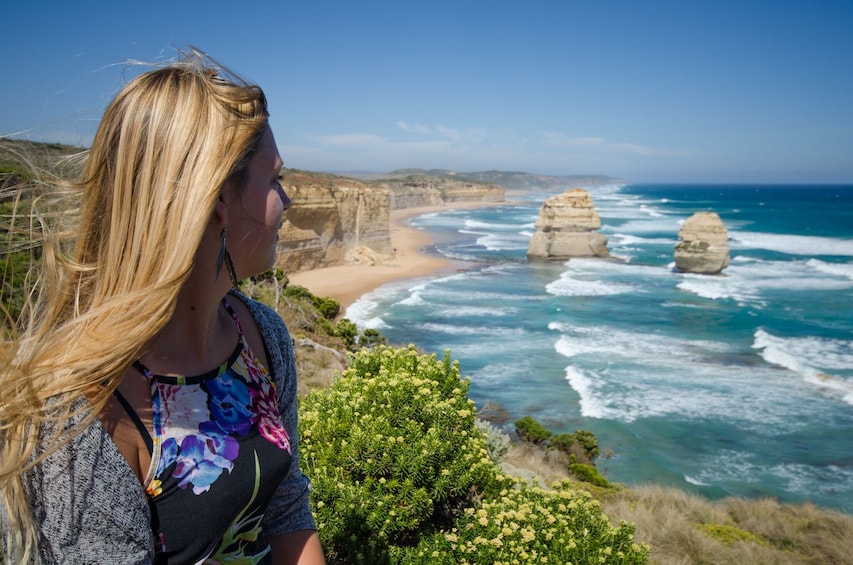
(166, 144)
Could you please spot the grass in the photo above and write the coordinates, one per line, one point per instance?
(684, 529)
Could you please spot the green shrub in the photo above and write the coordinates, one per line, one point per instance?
(328, 307)
(589, 442)
(347, 331)
(588, 474)
(297, 291)
(563, 442)
(371, 338)
(729, 534)
(392, 451)
(528, 429)
(530, 525)
(581, 446)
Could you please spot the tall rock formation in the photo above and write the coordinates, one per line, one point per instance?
(567, 227)
(703, 246)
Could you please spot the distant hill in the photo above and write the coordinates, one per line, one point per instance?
(509, 180)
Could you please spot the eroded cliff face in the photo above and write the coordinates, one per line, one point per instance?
(567, 227)
(331, 220)
(339, 221)
(417, 191)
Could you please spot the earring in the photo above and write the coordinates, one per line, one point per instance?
(226, 257)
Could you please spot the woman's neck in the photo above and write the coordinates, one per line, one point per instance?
(200, 334)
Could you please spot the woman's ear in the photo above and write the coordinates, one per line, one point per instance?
(227, 194)
(220, 210)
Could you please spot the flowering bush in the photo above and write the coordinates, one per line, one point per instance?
(392, 451)
(401, 474)
(527, 524)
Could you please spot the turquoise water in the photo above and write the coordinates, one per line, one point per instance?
(740, 384)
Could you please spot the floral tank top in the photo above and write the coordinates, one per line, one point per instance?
(218, 453)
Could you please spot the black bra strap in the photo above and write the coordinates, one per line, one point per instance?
(137, 421)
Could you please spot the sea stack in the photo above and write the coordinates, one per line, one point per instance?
(567, 227)
(704, 245)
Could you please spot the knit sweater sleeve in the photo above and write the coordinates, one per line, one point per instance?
(289, 510)
(87, 504)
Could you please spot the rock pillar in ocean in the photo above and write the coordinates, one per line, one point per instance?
(704, 245)
(568, 227)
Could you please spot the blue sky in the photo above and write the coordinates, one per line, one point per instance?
(652, 91)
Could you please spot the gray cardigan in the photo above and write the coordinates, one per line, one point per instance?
(90, 507)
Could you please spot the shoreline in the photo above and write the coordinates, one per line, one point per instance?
(347, 283)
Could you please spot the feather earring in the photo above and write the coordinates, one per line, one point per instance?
(225, 257)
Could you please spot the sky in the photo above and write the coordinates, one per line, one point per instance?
(748, 91)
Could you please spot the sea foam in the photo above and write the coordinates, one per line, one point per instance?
(812, 358)
(792, 244)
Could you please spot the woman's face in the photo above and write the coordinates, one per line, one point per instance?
(256, 210)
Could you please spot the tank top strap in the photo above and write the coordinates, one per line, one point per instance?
(237, 324)
(137, 421)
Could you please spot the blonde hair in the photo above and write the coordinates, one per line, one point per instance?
(166, 144)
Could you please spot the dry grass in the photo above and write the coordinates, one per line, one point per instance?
(317, 365)
(533, 463)
(684, 529)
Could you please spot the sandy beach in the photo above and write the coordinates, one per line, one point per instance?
(346, 283)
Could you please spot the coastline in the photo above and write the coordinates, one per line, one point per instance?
(347, 283)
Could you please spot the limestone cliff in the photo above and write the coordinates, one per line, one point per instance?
(338, 220)
(415, 191)
(703, 246)
(567, 227)
(332, 219)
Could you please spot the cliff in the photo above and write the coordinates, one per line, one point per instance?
(331, 221)
(418, 190)
(567, 227)
(337, 220)
(704, 245)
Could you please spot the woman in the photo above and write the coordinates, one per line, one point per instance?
(148, 410)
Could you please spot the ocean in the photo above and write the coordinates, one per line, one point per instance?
(732, 385)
